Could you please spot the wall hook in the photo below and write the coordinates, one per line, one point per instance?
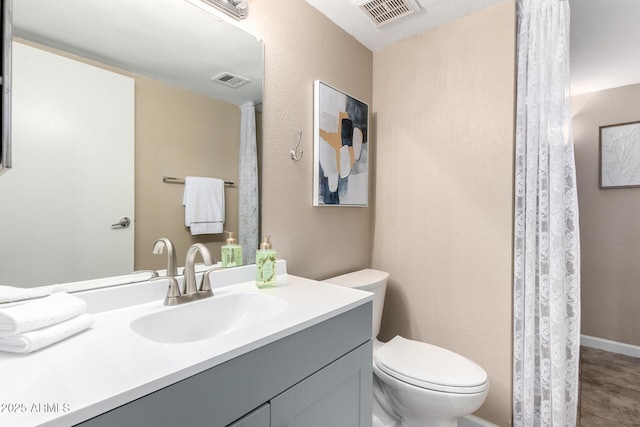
(293, 153)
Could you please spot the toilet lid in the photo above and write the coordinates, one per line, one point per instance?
(431, 367)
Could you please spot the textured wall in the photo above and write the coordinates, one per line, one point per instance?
(609, 226)
(444, 113)
(302, 45)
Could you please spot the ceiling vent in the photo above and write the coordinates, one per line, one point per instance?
(384, 11)
(236, 9)
(231, 80)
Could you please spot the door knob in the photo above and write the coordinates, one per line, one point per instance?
(124, 222)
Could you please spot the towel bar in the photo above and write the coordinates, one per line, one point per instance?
(172, 180)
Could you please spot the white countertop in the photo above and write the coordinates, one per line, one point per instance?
(109, 365)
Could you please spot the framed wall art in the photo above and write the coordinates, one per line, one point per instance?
(341, 148)
(620, 155)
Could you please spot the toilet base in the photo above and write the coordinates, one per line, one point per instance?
(420, 407)
(383, 415)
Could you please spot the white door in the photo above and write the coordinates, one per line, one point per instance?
(73, 172)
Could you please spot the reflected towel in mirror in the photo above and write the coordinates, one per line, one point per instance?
(11, 293)
(204, 205)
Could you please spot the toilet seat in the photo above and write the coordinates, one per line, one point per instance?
(430, 367)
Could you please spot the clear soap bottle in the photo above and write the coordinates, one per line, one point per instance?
(231, 252)
(265, 264)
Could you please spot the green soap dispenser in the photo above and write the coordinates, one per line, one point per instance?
(231, 252)
(265, 264)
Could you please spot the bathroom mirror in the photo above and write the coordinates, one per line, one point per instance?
(169, 54)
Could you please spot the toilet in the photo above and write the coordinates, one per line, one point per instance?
(416, 384)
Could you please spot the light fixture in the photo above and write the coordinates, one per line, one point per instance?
(234, 8)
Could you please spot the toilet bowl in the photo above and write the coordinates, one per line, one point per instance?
(416, 384)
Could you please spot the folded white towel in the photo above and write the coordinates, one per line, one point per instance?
(39, 313)
(203, 205)
(34, 340)
(11, 293)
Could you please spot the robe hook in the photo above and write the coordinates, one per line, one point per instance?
(293, 153)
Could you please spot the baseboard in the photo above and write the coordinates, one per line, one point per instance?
(612, 346)
(473, 421)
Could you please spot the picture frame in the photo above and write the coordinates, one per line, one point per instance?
(341, 148)
(620, 155)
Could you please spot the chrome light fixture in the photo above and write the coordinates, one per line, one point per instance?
(234, 8)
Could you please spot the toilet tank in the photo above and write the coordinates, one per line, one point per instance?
(367, 280)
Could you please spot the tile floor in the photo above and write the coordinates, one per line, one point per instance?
(609, 389)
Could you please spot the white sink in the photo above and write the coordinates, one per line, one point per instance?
(208, 318)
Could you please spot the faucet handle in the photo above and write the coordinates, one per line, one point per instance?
(173, 292)
(206, 281)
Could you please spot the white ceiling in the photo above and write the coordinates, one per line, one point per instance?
(168, 40)
(605, 44)
(348, 15)
(605, 34)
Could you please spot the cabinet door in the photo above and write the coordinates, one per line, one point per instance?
(338, 395)
(258, 418)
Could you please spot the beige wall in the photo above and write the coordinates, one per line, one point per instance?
(302, 45)
(180, 133)
(609, 225)
(444, 118)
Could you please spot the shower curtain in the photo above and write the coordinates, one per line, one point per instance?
(248, 184)
(546, 241)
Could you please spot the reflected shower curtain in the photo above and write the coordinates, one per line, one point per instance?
(248, 184)
(546, 242)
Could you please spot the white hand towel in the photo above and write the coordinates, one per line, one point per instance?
(11, 293)
(204, 205)
(39, 313)
(34, 340)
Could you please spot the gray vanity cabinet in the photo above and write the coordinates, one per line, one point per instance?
(334, 396)
(319, 376)
(261, 417)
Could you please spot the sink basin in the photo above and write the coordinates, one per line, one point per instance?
(208, 318)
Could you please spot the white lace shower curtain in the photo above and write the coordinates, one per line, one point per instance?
(248, 184)
(546, 244)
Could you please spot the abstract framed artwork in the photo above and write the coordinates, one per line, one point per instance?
(341, 148)
(620, 155)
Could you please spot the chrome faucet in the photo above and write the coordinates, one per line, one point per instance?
(190, 287)
(190, 291)
(172, 264)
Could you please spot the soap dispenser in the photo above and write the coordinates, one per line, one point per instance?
(231, 252)
(265, 264)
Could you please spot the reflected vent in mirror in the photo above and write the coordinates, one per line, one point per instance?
(382, 12)
(237, 9)
(231, 80)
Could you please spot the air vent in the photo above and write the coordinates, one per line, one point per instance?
(231, 80)
(384, 11)
(235, 8)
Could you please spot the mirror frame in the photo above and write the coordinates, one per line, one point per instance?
(5, 144)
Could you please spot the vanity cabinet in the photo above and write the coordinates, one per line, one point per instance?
(334, 396)
(261, 417)
(318, 376)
